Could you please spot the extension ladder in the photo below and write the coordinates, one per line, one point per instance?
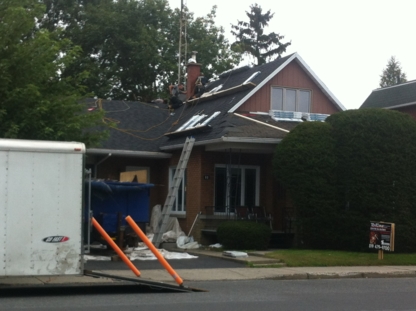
(173, 190)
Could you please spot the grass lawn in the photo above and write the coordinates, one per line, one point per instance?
(327, 258)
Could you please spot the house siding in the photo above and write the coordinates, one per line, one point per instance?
(411, 110)
(292, 76)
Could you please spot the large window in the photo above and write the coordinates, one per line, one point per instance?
(290, 99)
(236, 186)
(180, 201)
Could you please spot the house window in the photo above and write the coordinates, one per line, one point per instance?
(236, 186)
(287, 99)
(180, 200)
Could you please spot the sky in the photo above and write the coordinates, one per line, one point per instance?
(346, 43)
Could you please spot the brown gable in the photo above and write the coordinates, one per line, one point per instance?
(292, 76)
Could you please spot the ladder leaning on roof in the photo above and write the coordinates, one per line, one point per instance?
(173, 190)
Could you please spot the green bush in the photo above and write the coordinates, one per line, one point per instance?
(241, 235)
(357, 166)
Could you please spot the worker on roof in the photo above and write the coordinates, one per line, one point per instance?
(199, 89)
(175, 91)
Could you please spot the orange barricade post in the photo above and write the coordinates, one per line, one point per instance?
(149, 244)
(115, 247)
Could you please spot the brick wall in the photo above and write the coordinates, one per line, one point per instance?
(200, 189)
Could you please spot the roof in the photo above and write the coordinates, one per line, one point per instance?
(396, 96)
(150, 128)
(235, 78)
(137, 127)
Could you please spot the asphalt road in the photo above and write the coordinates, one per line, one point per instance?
(202, 262)
(291, 295)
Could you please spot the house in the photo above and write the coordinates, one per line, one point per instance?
(401, 97)
(236, 125)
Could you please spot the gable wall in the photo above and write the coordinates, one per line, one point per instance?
(291, 76)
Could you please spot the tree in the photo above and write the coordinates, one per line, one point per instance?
(214, 50)
(37, 102)
(130, 48)
(392, 74)
(252, 40)
(355, 167)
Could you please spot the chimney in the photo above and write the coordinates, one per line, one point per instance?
(193, 72)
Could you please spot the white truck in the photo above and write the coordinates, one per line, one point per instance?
(41, 210)
(41, 202)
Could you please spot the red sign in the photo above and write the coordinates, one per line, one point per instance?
(382, 236)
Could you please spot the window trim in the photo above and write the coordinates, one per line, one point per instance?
(182, 211)
(298, 90)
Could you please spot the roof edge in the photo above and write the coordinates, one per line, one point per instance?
(393, 86)
(320, 83)
(397, 106)
(223, 139)
(129, 153)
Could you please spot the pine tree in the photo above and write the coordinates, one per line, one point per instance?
(252, 40)
(392, 74)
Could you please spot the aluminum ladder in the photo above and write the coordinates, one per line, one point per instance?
(173, 190)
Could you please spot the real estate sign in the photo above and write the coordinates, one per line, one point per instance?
(382, 236)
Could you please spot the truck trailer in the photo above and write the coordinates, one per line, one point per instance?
(41, 215)
(41, 204)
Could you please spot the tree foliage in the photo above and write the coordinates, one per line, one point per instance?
(130, 47)
(214, 50)
(37, 102)
(392, 74)
(252, 40)
(352, 169)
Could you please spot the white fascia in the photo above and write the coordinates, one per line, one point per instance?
(319, 82)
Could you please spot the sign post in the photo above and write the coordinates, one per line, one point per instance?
(382, 237)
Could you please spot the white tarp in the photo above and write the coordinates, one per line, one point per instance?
(148, 255)
(142, 252)
(173, 229)
(96, 258)
(185, 242)
(234, 254)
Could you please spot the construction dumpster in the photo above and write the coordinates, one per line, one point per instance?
(113, 201)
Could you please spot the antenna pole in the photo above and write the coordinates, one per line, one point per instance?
(180, 42)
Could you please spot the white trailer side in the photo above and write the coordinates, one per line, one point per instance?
(41, 201)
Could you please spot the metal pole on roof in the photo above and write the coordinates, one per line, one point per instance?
(180, 43)
(185, 35)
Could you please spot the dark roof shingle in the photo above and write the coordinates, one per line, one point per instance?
(393, 96)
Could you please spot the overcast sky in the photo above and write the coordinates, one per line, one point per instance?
(346, 43)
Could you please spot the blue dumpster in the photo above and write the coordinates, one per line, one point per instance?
(111, 198)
